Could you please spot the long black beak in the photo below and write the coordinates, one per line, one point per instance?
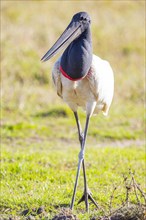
(71, 33)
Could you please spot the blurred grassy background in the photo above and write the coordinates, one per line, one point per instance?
(118, 36)
(31, 113)
(29, 28)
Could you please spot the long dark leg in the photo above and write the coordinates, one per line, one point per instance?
(82, 138)
(81, 157)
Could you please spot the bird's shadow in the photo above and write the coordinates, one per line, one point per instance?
(52, 113)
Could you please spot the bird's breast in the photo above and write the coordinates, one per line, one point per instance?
(76, 93)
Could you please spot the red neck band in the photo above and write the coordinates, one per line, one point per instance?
(67, 76)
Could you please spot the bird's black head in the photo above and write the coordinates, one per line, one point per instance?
(83, 18)
(78, 25)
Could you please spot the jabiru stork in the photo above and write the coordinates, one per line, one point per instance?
(82, 79)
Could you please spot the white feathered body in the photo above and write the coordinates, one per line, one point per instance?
(93, 93)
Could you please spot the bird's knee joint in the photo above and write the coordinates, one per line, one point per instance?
(81, 155)
(81, 137)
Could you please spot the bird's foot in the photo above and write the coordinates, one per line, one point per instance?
(87, 196)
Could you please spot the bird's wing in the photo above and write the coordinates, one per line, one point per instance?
(56, 76)
(101, 82)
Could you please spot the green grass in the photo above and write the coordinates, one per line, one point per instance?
(39, 142)
(43, 174)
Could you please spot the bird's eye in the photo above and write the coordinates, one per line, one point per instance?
(83, 19)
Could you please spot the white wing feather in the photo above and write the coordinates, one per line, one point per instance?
(56, 76)
(101, 82)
